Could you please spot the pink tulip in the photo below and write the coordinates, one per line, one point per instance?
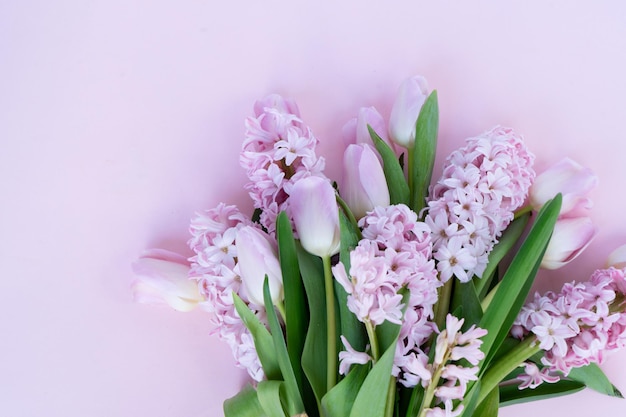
(411, 96)
(364, 186)
(162, 278)
(617, 258)
(570, 179)
(355, 131)
(257, 256)
(569, 239)
(313, 207)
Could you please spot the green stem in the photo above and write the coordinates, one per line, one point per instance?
(281, 309)
(371, 334)
(443, 303)
(507, 364)
(430, 391)
(489, 297)
(331, 326)
(523, 210)
(410, 162)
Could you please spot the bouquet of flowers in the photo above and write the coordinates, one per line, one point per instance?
(384, 294)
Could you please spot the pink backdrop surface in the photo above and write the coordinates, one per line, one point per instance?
(120, 119)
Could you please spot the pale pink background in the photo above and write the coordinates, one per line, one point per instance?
(119, 119)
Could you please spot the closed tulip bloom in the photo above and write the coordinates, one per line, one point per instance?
(257, 256)
(570, 179)
(162, 278)
(313, 207)
(364, 186)
(411, 96)
(569, 239)
(356, 131)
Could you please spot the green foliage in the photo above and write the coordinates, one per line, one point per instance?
(422, 153)
(396, 183)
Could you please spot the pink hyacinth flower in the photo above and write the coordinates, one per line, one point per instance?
(364, 185)
(162, 278)
(570, 179)
(257, 256)
(569, 239)
(411, 96)
(315, 213)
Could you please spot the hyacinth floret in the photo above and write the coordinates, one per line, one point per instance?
(481, 186)
(214, 267)
(450, 378)
(575, 327)
(278, 150)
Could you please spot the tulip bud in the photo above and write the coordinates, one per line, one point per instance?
(411, 96)
(356, 131)
(257, 257)
(162, 277)
(364, 185)
(570, 179)
(569, 238)
(313, 207)
(617, 258)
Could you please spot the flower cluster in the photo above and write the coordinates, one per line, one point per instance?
(278, 150)
(395, 253)
(577, 326)
(216, 270)
(452, 348)
(482, 185)
(398, 276)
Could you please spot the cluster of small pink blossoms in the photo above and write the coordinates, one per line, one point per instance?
(451, 346)
(278, 150)
(482, 185)
(395, 253)
(575, 327)
(215, 268)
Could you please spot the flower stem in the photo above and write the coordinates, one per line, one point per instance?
(443, 303)
(331, 326)
(281, 309)
(522, 210)
(489, 297)
(507, 364)
(371, 334)
(430, 390)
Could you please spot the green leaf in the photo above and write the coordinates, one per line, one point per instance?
(268, 393)
(262, 339)
(516, 283)
(511, 394)
(244, 404)
(371, 400)
(464, 296)
(422, 153)
(396, 183)
(294, 401)
(339, 400)
(296, 308)
(509, 238)
(349, 325)
(593, 377)
(470, 400)
(314, 353)
(490, 405)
